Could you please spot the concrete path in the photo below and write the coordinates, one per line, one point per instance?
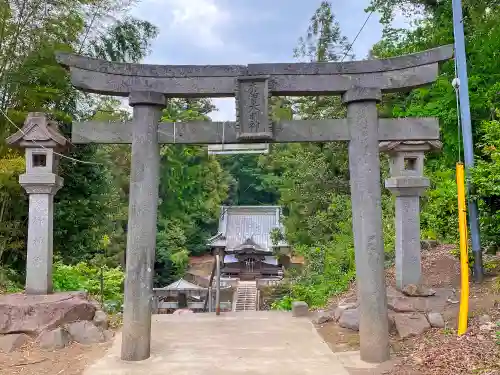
(250, 343)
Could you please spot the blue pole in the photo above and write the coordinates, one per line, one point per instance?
(460, 57)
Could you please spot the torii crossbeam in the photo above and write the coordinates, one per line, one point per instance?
(361, 84)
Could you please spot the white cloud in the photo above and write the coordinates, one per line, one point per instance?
(200, 21)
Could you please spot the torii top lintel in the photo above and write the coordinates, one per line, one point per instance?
(401, 73)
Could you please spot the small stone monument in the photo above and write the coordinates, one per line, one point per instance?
(41, 139)
(407, 183)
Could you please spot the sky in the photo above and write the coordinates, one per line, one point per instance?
(202, 32)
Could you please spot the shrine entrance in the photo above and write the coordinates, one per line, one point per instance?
(361, 85)
(252, 269)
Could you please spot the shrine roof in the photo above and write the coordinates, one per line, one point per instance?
(181, 285)
(247, 227)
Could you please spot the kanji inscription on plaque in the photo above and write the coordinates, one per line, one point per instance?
(252, 108)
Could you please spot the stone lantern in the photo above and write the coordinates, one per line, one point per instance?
(407, 183)
(41, 140)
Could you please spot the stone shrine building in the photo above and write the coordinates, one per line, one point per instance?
(245, 238)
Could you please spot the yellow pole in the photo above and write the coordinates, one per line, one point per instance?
(464, 254)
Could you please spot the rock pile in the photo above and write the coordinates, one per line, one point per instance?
(52, 321)
(412, 311)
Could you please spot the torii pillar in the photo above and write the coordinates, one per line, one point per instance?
(41, 139)
(142, 215)
(364, 169)
(407, 183)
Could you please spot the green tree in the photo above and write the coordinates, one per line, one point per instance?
(31, 31)
(434, 28)
(248, 185)
(192, 187)
(313, 179)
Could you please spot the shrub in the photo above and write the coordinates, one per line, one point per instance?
(486, 178)
(7, 281)
(439, 214)
(86, 277)
(283, 304)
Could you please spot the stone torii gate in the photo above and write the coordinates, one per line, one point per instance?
(361, 84)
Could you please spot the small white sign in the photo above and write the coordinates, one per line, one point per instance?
(238, 148)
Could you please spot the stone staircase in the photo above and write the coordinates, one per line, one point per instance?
(246, 296)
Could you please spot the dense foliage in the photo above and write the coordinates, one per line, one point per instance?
(434, 28)
(310, 181)
(85, 277)
(312, 225)
(94, 200)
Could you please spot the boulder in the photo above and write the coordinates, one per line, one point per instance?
(400, 304)
(343, 307)
(321, 317)
(436, 320)
(12, 342)
(95, 303)
(101, 319)
(350, 319)
(409, 325)
(414, 290)
(428, 244)
(109, 334)
(52, 340)
(299, 308)
(33, 314)
(85, 332)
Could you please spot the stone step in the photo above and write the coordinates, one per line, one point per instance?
(246, 296)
